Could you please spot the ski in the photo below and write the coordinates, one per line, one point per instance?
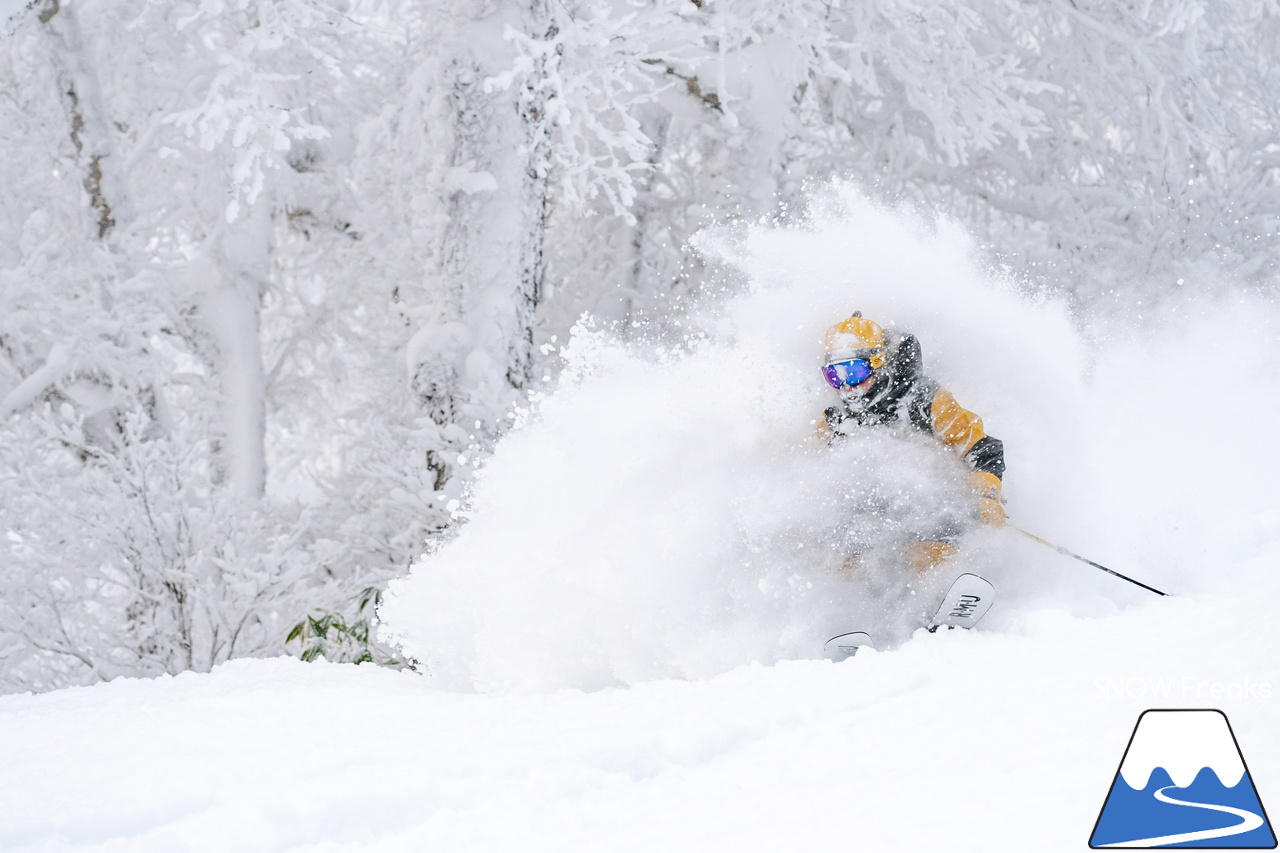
(846, 645)
(965, 603)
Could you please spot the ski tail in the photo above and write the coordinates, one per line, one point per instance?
(968, 600)
(846, 645)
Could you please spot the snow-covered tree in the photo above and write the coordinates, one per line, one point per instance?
(140, 309)
(1159, 153)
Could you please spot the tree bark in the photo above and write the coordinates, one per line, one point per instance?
(491, 259)
(91, 130)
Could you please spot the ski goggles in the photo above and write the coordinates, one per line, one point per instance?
(842, 373)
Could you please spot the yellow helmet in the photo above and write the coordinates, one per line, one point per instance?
(856, 337)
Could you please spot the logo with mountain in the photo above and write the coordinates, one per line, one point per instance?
(1183, 783)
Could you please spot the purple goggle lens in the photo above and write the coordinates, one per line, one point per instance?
(844, 373)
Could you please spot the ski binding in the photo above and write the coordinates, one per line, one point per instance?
(967, 601)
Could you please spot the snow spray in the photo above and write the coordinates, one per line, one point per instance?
(667, 512)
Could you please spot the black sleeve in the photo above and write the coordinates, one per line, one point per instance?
(987, 454)
(908, 388)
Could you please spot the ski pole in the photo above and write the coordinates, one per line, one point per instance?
(1064, 552)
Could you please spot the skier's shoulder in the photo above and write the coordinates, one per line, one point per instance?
(914, 388)
(906, 357)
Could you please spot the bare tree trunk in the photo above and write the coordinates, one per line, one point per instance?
(491, 259)
(91, 130)
(230, 280)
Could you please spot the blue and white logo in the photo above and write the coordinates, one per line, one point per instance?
(1183, 783)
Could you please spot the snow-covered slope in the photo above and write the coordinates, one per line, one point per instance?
(623, 639)
(984, 741)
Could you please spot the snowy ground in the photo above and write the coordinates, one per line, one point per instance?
(984, 742)
(623, 639)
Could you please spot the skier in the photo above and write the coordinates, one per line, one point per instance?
(880, 380)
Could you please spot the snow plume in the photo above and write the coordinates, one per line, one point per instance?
(1183, 401)
(668, 512)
